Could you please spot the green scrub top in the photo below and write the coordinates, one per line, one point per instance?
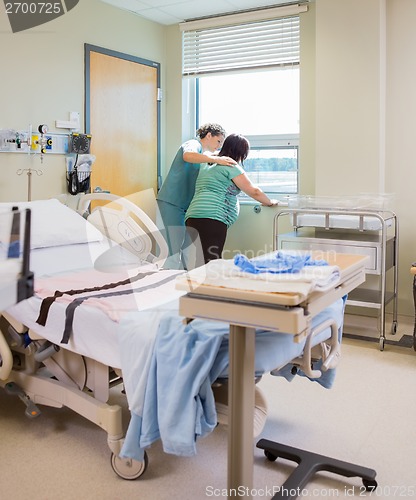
(179, 185)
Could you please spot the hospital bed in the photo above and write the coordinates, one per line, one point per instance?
(78, 375)
(69, 350)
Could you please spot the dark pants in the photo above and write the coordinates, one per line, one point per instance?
(212, 234)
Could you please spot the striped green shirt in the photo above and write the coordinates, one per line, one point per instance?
(215, 194)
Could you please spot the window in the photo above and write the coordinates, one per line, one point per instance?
(274, 169)
(259, 103)
(264, 107)
(245, 76)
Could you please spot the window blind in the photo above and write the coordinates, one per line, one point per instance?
(260, 44)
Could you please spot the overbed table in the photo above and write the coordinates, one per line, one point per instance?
(291, 313)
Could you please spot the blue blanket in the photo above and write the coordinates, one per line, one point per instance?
(278, 263)
(178, 404)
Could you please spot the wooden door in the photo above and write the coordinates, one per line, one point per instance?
(122, 115)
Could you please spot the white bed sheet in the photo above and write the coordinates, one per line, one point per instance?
(94, 332)
(65, 258)
(84, 341)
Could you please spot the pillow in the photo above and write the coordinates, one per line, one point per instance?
(52, 224)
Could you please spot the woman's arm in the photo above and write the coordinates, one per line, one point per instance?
(193, 157)
(245, 184)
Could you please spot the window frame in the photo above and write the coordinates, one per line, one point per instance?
(202, 43)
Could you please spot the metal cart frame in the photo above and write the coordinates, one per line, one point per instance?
(383, 241)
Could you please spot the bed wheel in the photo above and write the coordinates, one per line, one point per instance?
(127, 468)
(370, 484)
(394, 328)
(270, 456)
(381, 343)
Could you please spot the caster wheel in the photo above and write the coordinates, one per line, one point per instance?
(394, 328)
(127, 468)
(381, 343)
(270, 456)
(370, 484)
(414, 342)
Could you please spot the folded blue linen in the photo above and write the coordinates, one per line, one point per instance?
(280, 262)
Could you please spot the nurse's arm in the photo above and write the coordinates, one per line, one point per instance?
(192, 157)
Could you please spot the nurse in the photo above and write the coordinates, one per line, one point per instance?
(178, 188)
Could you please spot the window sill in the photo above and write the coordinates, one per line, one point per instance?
(249, 201)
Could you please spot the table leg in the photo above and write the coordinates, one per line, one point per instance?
(241, 410)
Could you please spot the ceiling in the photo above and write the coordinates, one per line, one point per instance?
(175, 11)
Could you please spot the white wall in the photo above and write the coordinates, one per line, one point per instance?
(42, 80)
(348, 97)
(401, 134)
(173, 95)
(365, 104)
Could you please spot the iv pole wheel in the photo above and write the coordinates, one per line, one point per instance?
(127, 468)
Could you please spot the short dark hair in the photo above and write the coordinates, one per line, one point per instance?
(235, 146)
(214, 128)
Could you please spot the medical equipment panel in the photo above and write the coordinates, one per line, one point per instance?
(359, 226)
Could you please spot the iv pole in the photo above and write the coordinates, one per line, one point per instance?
(42, 143)
(29, 179)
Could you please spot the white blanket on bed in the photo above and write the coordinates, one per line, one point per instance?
(146, 288)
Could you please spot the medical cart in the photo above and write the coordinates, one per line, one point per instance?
(359, 226)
